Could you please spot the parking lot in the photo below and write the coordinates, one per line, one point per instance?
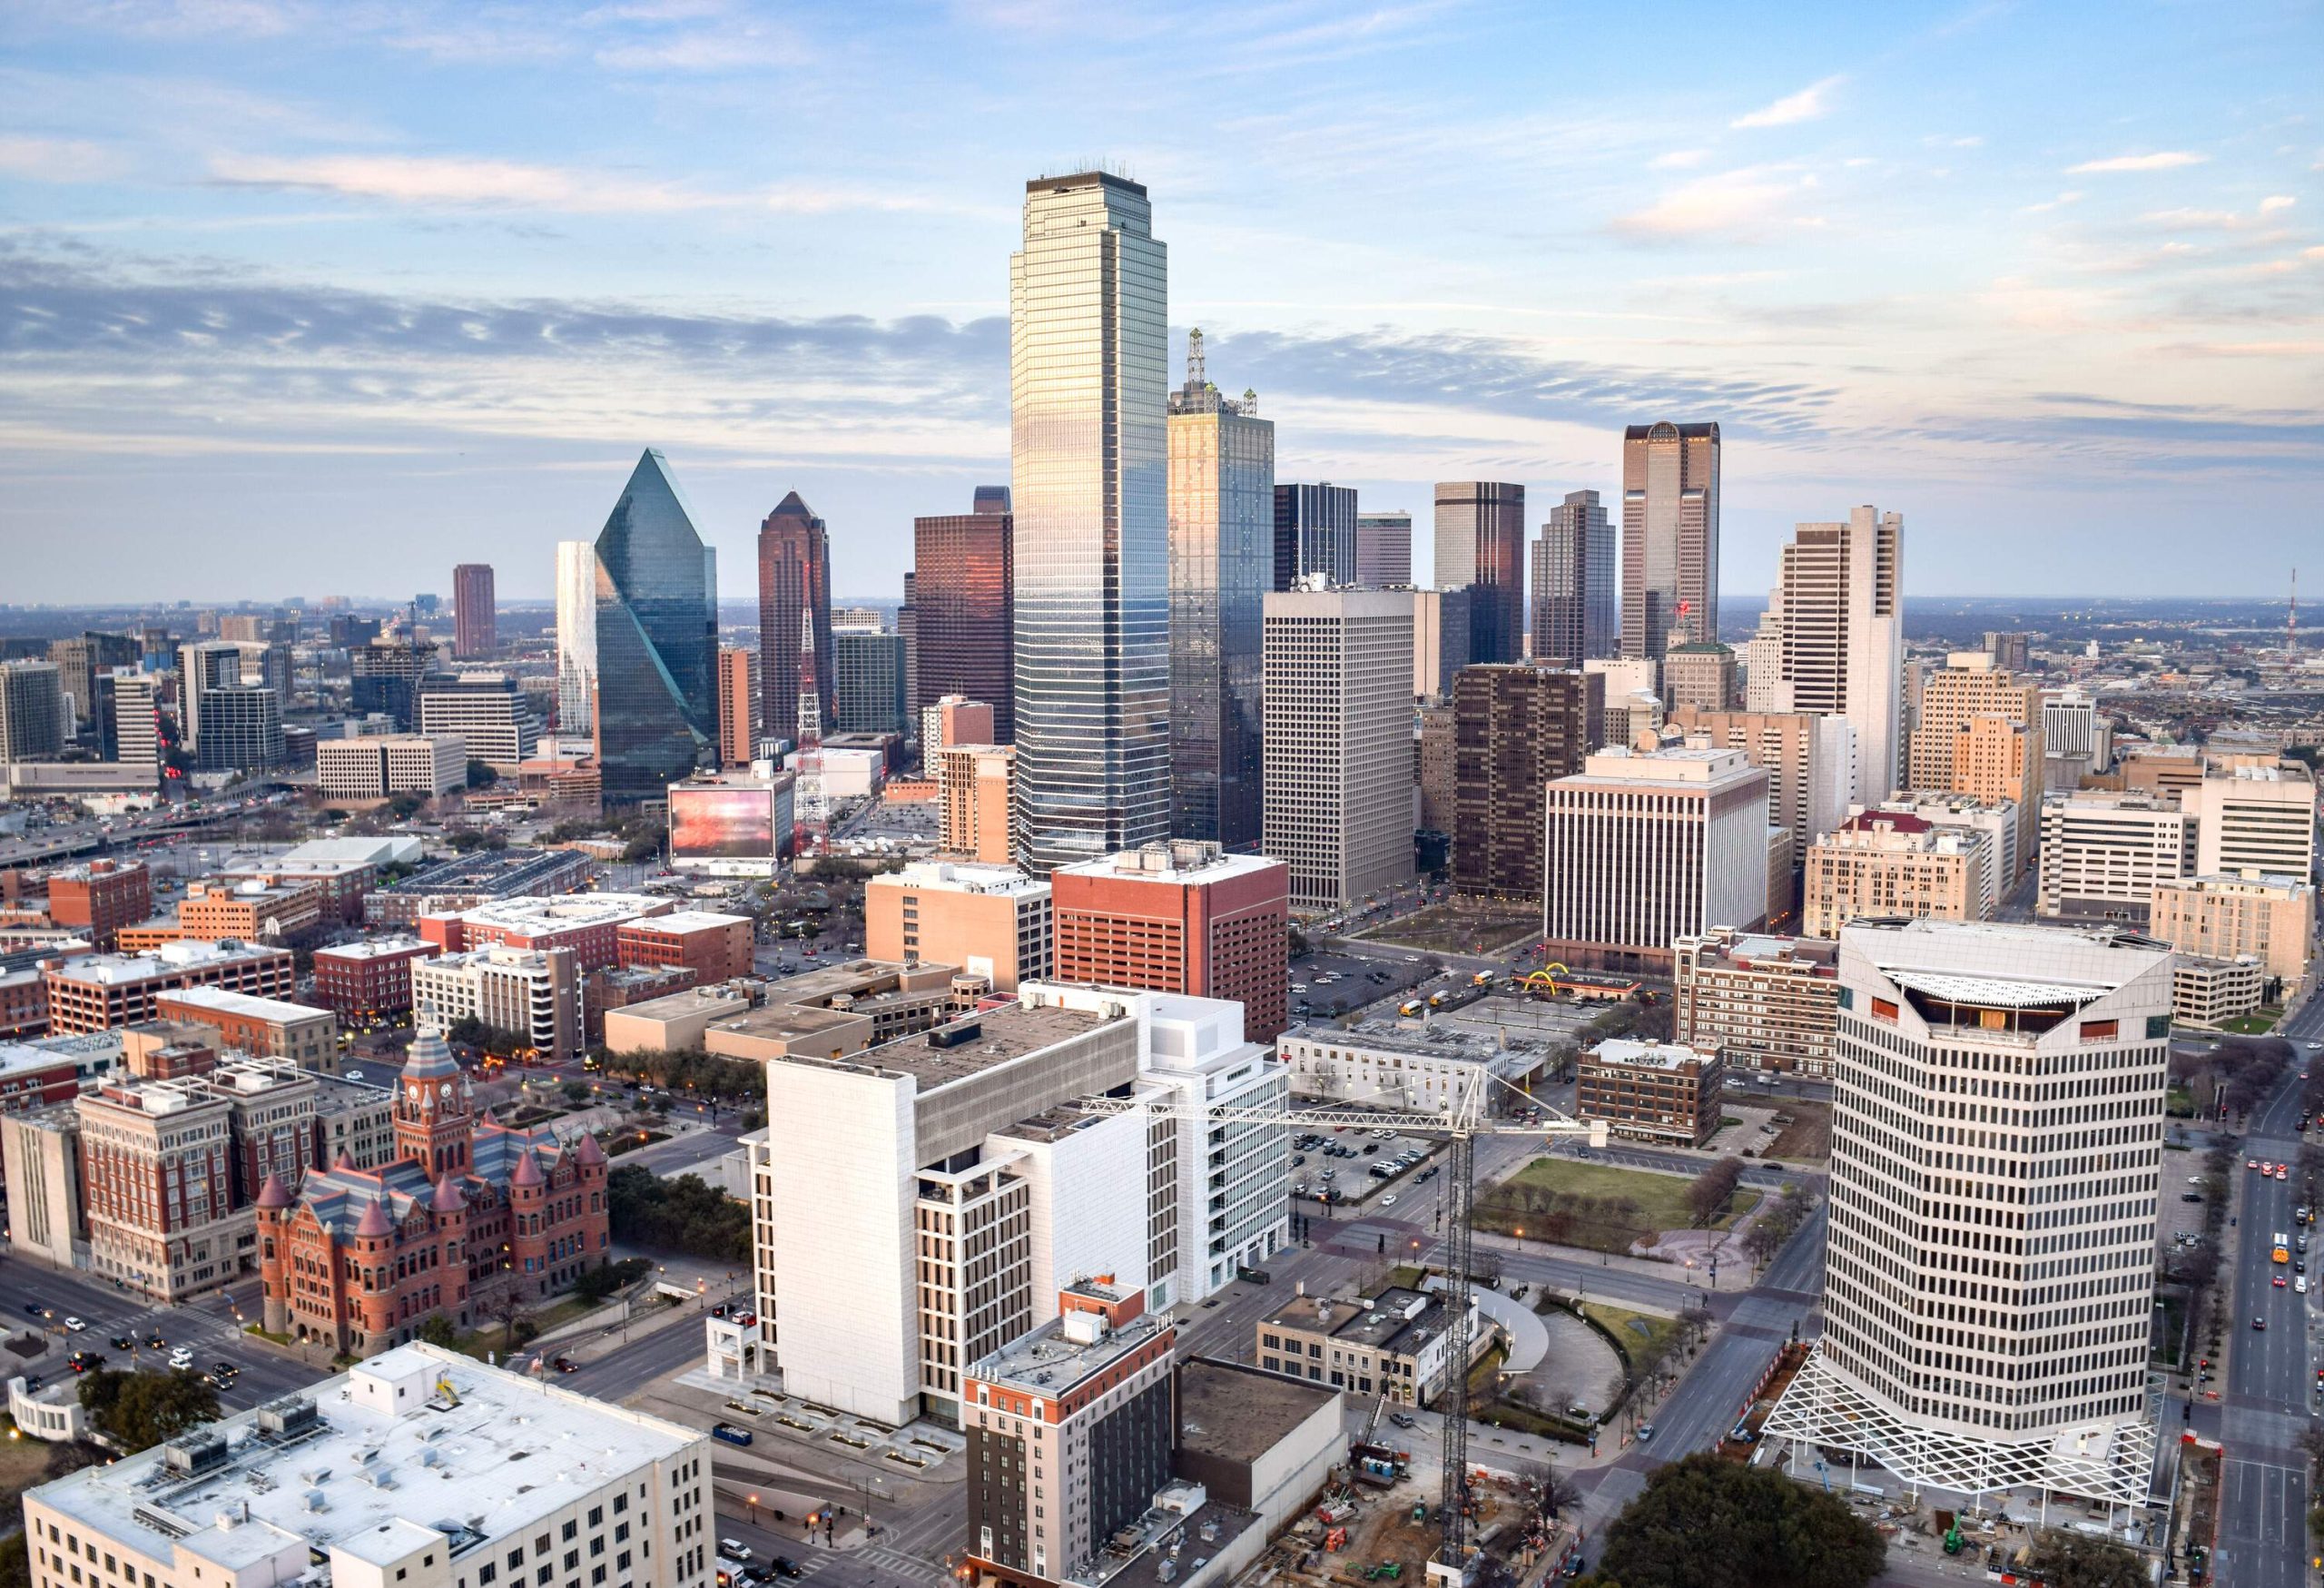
(1337, 1167)
(1329, 982)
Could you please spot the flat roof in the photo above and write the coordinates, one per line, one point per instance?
(1049, 1364)
(1636, 1055)
(553, 912)
(373, 948)
(1003, 1035)
(1177, 861)
(486, 870)
(506, 1454)
(1429, 1042)
(687, 921)
(686, 1001)
(1239, 1413)
(782, 1019)
(244, 1003)
(170, 958)
(1397, 1319)
(955, 876)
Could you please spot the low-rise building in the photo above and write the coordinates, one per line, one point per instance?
(672, 1023)
(714, 947)
(1758, 1002)
(534, 994)
(1414, 1067)
(370, 981)
(587, 923)
(466, 881)
(99, 993)
(1260, 1441)
(2208, 991)
(374, 768)
(100, 898)
(1890, 863)
(1997, 819)
(1398, 1342)
(2268, 918)
(991, 921)
(1653, 1091)
(271, 1028)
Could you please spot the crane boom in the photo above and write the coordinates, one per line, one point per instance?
(1461, 1121)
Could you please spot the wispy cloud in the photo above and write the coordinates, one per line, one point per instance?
(2166, 160)
(1745, 204)
(1678, 159)
(59, 159)
(2275, 201)
(2046, 205)
(1807, 106)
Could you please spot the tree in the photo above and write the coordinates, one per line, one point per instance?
(682, 1215)
(576, 1092)
(137, 1411)
(438, 1330)
(1704, 1523)
(15, 1562)
(2068, 1560)
(1714, 1188)
(480, 774)
(405, 805)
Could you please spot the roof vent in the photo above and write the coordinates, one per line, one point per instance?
(315, 1501)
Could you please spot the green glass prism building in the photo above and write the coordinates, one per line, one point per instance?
(657, 638)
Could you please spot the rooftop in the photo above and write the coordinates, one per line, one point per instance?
(245, 1004)
(1238, 1413)
(969, 1046)
(371, 1462)
(561, 912)
(1397, 1319)
(360, 851)
(958, 876)
(376, 948)
(688, 920)
(1648, 1055)
(1695, 765)
(1050, 1362)
(490, 872)
(1177, 859)
(1429, 1042)
(169, 959)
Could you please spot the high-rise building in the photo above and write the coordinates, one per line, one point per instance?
(1180, 917)
(1089, 453)
(953, 719)
(1338, 742)
(374, 768)
(137, 718)
(1576, 613)
(1979, 732)
(657, 638)
(1670, 536)
(867, 683)
(795, 622)
(2273, 919)
(1996, 819)
(976, 787)
(738, 705)
(991, 921)
(2077, 741)
(489, 712)
(576, 638)
(1989, 1286)
(82, 662)
(229, 725)
(1223, 499)
(534, 993)
(1314, 532)
(1440, 641)
(1646, 849)
(1701, 674)
(2254, 818)
(476, 619)
(1515, 727)
(2103, 855)
(385, 676)
(964, 614)
(1838, 605)
(34, 721)
(1892, 863)
(1384, 549)
(1810, 763)
(1480, 544)
(2010, 650)
(908, 629)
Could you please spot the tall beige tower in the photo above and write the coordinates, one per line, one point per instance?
(1339, 741)
(1669, 537)
(1980, 733)
(1838, 606)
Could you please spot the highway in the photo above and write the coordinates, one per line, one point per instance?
(2271, 1373)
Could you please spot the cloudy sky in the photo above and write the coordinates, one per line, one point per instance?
(321, 296)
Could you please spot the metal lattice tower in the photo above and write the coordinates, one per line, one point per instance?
(1458, 1246)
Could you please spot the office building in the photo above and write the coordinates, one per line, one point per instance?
(1481, 545)
(1810, 763)
(137, 718)
(715, 947)
(576, 639)
(1759, 1002)
(738, 705)
(1643, 849)
(1435, 760)
(1088, 455)
(964, 608)
(2012, 651)
(1384, 549)
(975, 796)
(1882, 863)
(40, 1148)
(385, 675)
(1576, 612)
(1669, 537)
(1515, 727)
(533, 994)
(2254, 818)
(157, 1172)
(2077, 742)
(104, 992)
(991, 920)
(2243, 914)
(1222, 505)
(1953, 1363)
(1397, 1344)
(1314, 534)
(1701, 675)
(368, 982)
(1068, 1433)
(588, 923)
(36, 722)
(2210, 993)
(950, 720)
(1979, 732)
(1440, 640)
(349, 1476)
(656, 633)
(372, 769)
(99, 898)
(1179, 917)
(734, 825)
(81, 662)
(1391, 1063)
(476, 619)
(867, 683)
(1338, 742)
(795, 623)
(2103, 855)
(1665, 1092)
(489, 712)
(229, 725)
(267, 1028)
(1838, 607)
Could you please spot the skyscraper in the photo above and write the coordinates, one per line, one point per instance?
(476, 622)
(964, 607)
(1574, 614)
(1838, 605)
(1222, 515)
(576, 637)
(34, 721)
(1515, 727)
(794, 606)
(1670, 536)
(1314, 533)
(1480, 544)
(867, 682)
(1339, 741)
(738, 705)
(1088, 453)
(1980, 733)
(657, 638)
(1384, 549)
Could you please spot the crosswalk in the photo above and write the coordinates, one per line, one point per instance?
(871, 1561)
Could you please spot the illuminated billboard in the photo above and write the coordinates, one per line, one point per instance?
(722, 823)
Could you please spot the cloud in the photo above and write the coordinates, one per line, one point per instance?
(1807, 106)
(58, 159)
(1678, 159)
(2274, 202)
(1742, 204)
(461, 183)
(2046, 205)
(2168, 160)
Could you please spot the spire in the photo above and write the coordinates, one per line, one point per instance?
(449, 1199)
(587, 1152)
(1195, 378)
(527, 1169)
(273, 1193)
(375, 1222)
(431, 1057)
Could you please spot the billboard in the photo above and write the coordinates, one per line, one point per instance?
(722, 823)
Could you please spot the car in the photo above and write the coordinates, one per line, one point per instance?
(182, 1359)
(2279, 1281)
(1644, 1432)
(1389, 1200)
(153, 1342)
(566, 1365)
(785, 1566)
(2251, 1163)
(1402, 1419)
(2299, 1286)
(719, 1310)
(2283, 1172)
(85, 1361)
(2259, 1322)
(34, 1309)
(125, 1341)
(2190, 1196)
(734, 1549)
(225, 1369)
(74, 1326)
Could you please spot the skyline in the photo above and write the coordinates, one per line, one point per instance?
(439, 305)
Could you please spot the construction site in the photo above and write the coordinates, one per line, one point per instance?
(1382, 1523)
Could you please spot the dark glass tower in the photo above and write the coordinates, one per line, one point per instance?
(1314, 533)
(1574, 613)
(1480, 544)
(657, 638)
(964, 608)
(795, 578)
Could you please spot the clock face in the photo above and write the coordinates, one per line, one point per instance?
(446, 1088)
(415, 1092)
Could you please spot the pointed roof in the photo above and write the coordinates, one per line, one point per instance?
(587, 1152)
(430, 1058)
(375, 1220)
(343, 1161)
(449, 1199)
(527, 1169)
(273, 1193)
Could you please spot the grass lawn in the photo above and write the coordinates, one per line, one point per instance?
(2258, 1023)
(24, 1463)
(1592, 1204)
(2171, 1318)
(1456, 928)
(1808, 1137)
(1637, 1331)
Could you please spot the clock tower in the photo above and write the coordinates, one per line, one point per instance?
(435, 1118)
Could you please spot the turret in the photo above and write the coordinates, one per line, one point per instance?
(273, 1204)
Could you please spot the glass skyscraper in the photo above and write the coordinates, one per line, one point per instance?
(1314, 533)
(1575, 617)
(576, 637)
(657, 638)
(1088, 451)
(1480, 544)
(1669, 537)
(1222, 522)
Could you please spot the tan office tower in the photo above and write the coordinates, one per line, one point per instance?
(1514, 729)
(1338, 742)
(1838, 605)
(1980, 733)
(1701, 675)
(1892, 863)
(2257, 818)
(738, 705)
(1810, 763)
(1669, 537)
(974, 786)
(1481, 545)
(991, 921)
(2271, 918)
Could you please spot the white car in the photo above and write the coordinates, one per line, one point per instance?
(182, 1357)
(2299, 1286)
(1390, 1201)
(74, 1326)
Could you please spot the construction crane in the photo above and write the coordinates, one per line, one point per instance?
(1460, 1121)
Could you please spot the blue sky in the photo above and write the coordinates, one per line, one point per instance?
(321, 296)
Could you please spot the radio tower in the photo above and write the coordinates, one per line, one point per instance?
(810, 813)
(811, 695)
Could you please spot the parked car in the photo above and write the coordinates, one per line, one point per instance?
(1402, 1419)
(734, 1549)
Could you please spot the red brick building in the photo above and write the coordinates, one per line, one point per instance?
(715, 948)
(587, 923)
(100, 897)
(24, 1002)
(469, 1212)
(1179, 917)
(362, 982)
(99, 992)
